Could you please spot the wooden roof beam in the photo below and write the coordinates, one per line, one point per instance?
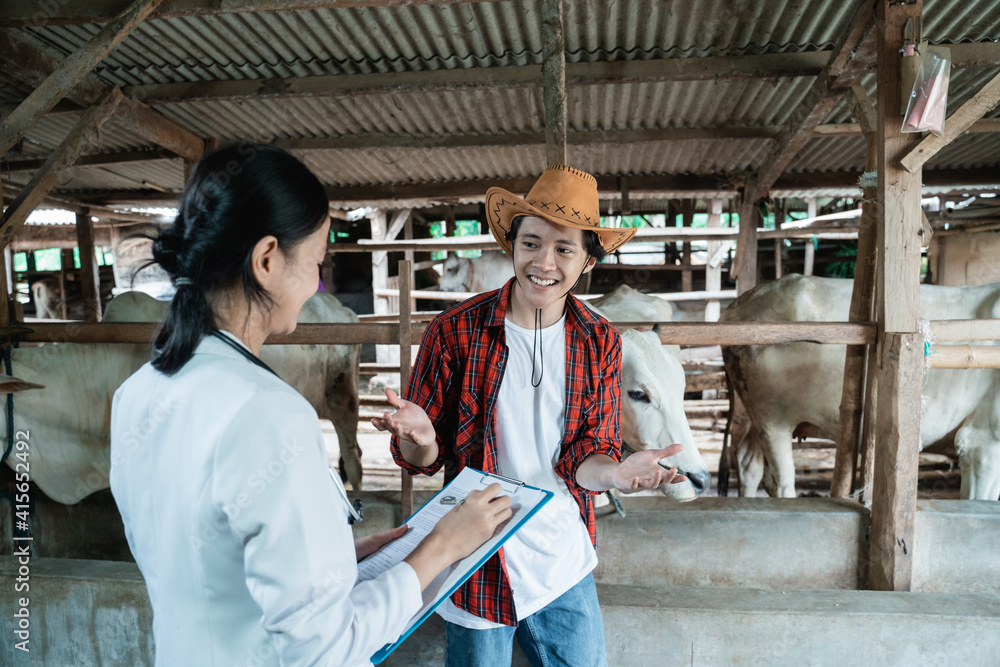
(554, 81)
(31, 66)
(437, 81)
(644, 185)
(851, 57)
(92, 160)
(70, 71)
(48, 176)
(375, 141)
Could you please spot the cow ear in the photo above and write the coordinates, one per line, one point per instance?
(656, 328)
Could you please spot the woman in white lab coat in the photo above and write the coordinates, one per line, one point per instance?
(219, 467)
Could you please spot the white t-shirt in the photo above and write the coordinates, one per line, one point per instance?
(552, 552)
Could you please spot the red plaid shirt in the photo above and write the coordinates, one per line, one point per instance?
(456, 380)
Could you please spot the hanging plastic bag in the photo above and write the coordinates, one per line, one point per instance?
(928, 99)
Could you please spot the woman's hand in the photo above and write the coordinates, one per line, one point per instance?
(409, 422)
(366, 546)
(460, 532)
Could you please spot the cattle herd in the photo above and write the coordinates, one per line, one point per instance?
(786, 388)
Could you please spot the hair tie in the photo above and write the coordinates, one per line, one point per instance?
(181, 282)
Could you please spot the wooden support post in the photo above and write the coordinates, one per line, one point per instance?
(554, 81)
(713, 274)
(405, 352)
(779, 219)
(408, 256)
(64, 156)
(5, 282)
(862, 310)
(380, 264)
(810, 249)
(65, 268)
(746, 249)
(900, 352)
(90, 280)
(71, 72)
(687, 275)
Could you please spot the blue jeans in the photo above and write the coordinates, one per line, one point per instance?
(568, 631)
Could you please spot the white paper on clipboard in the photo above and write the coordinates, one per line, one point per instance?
(525, 501)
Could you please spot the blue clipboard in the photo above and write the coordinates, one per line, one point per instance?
(472, 563)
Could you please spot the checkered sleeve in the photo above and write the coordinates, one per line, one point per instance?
(600, 430)
(430, 382)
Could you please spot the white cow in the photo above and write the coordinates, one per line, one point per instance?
(798, 385)
(490, 271)
(47, 297)
(69, 420)
(652, 412)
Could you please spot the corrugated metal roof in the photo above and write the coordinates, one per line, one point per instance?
(404, 38)
(132, 176)
(52, 128)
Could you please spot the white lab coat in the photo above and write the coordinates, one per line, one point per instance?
(240, 532)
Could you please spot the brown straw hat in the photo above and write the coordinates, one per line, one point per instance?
(563, 196)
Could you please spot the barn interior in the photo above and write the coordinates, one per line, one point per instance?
(747, 141)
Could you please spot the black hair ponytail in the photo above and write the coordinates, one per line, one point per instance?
(235, 197)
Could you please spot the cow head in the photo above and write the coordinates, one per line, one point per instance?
(652, 412)
(455, 274)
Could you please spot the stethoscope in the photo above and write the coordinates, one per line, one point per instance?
(356, 508)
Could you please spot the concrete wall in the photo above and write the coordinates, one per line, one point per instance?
(956, 547)
(81, 613)
(795, 543)
(97, 613)
(786, 544)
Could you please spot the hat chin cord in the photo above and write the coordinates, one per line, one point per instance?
(536, 348)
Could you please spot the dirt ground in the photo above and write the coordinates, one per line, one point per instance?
(939, 478)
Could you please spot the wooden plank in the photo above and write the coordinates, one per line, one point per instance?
(90, 280)
(136, 117)
(438, 81)
(972, 110)
(71, 71)
(713, 272)
(575, 138)
(964, 356)
(405, 363)
(975, 55)
(894, 497)
(554, 81)
(121, 157)
(900, 353)
(5, 282)
(64, 155)
(677, 333)
(36, 237)
(863, 109)
(399, 219)
(745, 262)
(687, 211)
(862, 310)
(461, 296)
(34, 66)
(898, 191)
(953, 331)
(810, 249)
(143, 332)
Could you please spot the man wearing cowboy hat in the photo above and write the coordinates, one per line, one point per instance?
(525, 382)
